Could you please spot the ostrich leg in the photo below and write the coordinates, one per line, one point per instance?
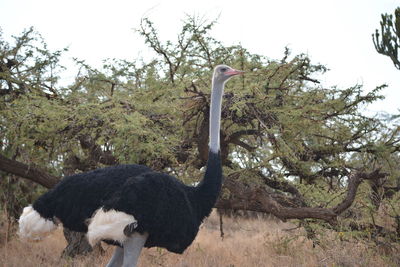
(117, 258)
(132, 247)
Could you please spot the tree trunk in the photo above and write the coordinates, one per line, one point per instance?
(77, 244)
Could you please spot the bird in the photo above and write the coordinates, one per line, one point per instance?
(132, 206)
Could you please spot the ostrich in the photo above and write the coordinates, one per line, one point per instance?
(132, 206)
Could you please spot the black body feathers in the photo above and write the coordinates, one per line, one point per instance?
(169, 211)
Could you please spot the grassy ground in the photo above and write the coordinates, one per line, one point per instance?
(247, 242)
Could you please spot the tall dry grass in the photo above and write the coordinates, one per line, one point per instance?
(247, 242)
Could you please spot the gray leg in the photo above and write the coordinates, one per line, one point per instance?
(117, 258)
(132, 247)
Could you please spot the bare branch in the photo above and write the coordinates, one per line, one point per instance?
(29, 172)
(243, 197)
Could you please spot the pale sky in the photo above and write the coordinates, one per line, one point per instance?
(336, 33)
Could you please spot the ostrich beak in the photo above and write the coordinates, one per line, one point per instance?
(233, 72)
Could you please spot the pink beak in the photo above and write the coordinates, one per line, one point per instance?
(233, 72)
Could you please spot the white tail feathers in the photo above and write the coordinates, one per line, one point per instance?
(108, 225)
(34, 227)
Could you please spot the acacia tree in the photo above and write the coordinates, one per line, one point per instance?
(281, 128)
(289, 146)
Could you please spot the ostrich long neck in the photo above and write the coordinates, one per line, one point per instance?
(209, 188)
(215, 115)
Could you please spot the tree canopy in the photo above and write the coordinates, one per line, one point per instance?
(290, 146)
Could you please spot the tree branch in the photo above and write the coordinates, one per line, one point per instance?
(243, 197)
(354, 181)
(283, 186)
(29, 172)
(95, 151)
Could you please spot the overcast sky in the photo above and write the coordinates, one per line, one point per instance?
(336, 33)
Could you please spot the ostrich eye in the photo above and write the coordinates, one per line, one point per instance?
(224, 69)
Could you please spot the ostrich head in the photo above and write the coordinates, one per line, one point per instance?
(222, 73)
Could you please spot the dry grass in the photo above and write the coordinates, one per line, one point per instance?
(255, 242)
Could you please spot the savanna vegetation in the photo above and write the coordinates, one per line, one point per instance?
(248, 242)
(291, 147)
